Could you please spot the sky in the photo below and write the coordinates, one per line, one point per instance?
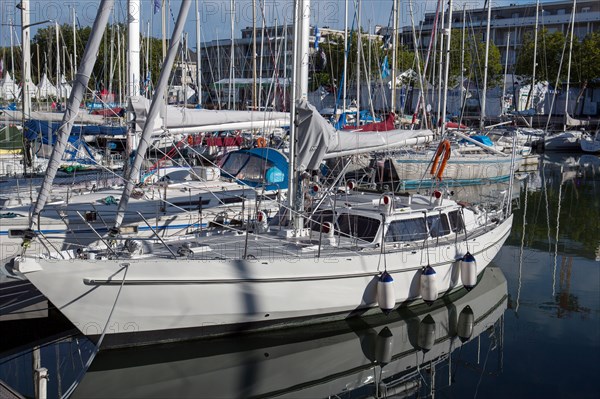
(215, 15)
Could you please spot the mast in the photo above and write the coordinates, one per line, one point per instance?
(446, 32)
(26, 65)
(299, 92)
(152, 112)
(58, 83)
(505, 73)
(77, 93)
(485, 66)
(254, 103)
(569, 64)
(535, 39)
(133, 68)
(198, 58)
(232, 58)
(133, 49)
(344, 94)
(358, 52)
(394, 55)
(462, 59)
(74, 68)
(440, 69)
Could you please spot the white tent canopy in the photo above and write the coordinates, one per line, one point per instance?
(46, 88)
(64, 88)
(9, 89)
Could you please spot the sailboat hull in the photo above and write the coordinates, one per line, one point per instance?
(147, 300)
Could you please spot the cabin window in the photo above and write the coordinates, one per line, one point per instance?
(319, 218)
(357, 226)
(438, 225)
(246, 167)
(457, 224)
(407, 230)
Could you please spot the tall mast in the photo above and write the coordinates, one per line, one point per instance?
(153, 111)
(133, 67)
(299, 92)
(394, 55)
(358, 52)
(344, 94)
(133, 49)
(535, 39)
(505, 74)
(440, 68)
(232, 57)
(74, 68)
(254, 97)
(58, 83)
(79, 87)
(462, 57)
(26, 65)
(569, 64)
(198, 57)
(446, 32)
(485, 65)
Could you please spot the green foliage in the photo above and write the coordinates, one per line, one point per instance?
(552, 47)
(586, 58)
(474, 59)
(549, 53)
(44, 42)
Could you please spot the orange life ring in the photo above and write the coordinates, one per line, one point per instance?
(443, 149)
(261, 142)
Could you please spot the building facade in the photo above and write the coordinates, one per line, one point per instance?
(515, 20)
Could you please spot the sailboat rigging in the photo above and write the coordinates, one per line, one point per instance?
(321, 266)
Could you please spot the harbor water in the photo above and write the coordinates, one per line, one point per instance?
(529, 329)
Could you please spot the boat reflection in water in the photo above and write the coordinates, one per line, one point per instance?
(372, 356)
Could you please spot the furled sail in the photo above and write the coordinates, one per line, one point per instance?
(185, 120)
(318, 140)
(69, 117)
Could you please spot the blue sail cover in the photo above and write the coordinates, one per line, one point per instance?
(77, 149)
(34, 128)
(257, 167)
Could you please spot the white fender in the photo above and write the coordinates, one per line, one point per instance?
(468, 271)
(428, 288)
(385, 292)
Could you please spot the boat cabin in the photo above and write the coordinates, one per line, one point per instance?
(404, 219)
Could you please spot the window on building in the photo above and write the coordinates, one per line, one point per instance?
(586, 9)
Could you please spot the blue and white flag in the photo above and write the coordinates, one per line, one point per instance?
(385, 68)
(317, 37)
(157, 5)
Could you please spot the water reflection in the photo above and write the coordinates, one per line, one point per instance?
(369, 357)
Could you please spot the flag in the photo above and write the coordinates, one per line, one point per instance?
(157, 5)
(385, 68)
(317, 37)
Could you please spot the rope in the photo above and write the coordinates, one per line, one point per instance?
(73, 386)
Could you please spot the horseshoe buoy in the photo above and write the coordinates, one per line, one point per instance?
(261, 142)
(443, 151)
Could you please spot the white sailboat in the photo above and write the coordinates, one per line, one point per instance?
(331, 262)
(376, 354)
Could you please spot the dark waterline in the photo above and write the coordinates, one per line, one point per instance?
(541, 336)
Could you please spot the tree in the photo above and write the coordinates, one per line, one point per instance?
(549, 55)
(474, 59)
(586, 59)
